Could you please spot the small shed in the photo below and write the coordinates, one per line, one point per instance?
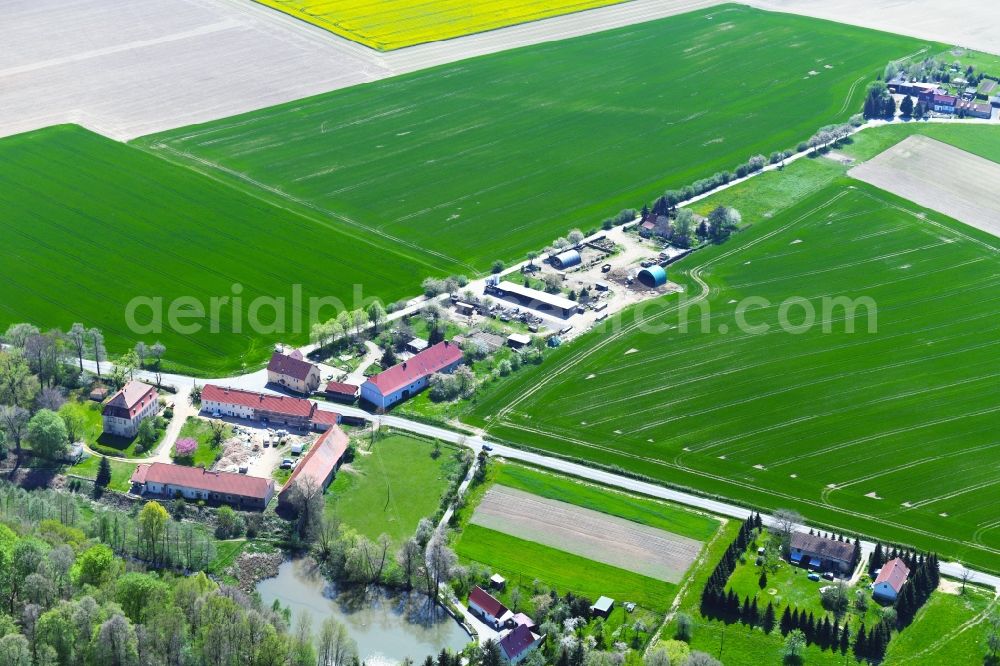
(498, 582)
(566, 259)
(518, 340)
(653, 276)
(465, 309)
(602, 607)
(416, 345)
(99, 393)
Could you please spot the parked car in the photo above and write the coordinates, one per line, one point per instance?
(487, 448)
(606, 268)
(813, 577)
(829, 575)
(244, 469)
(287, 464)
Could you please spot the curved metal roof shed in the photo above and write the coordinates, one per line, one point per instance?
(652, 277)
(566, 259)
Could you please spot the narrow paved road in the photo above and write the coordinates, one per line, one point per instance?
(476, 442)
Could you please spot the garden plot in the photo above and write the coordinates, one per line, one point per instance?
(940, 177)
(596, 536)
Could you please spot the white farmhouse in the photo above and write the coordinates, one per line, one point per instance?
(890, 580)
(126, 409)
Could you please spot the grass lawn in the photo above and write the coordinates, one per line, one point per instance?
(739, 644)
(128, 447)
(522, 562)
(395, 24)
(89, 413)
(207, 452)
(904, 414)
(940, 634)
(121, 472)
(980, 140)
(389, 489)
(538, 140)
(792, 587)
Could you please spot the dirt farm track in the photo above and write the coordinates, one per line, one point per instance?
(590, 534)
(125, 69)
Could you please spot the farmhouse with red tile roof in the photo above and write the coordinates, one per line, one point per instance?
(341, 392)
(293, 372)
(890, 580)
(411, 376)
(272, 409)
(488, 607)
(517, 643)
(128, 407)
(195, 483)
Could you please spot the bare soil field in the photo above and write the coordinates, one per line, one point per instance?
(940, 177)
(125, 69)
(968, 23)
(590, 534)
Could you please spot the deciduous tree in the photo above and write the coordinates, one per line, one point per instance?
(152, 528)
(47, 434)
(14, 422)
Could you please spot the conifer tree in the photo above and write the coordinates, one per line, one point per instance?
(768, 622)
(861, 644)
(786, 624)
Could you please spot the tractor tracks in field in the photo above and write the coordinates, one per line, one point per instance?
(211, 169)
(974, 621)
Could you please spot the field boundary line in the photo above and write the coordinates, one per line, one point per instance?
(191, 161)
(745, 485)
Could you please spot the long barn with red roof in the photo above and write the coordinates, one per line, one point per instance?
(319, 465)
(411, 376)
(271, 409)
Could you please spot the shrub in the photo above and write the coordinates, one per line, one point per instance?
(185, 447)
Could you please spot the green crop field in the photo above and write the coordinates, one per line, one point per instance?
(890, 433)
(490, 157)
(90, 224)
(380, 185)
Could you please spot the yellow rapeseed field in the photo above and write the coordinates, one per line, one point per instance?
(393, 24)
